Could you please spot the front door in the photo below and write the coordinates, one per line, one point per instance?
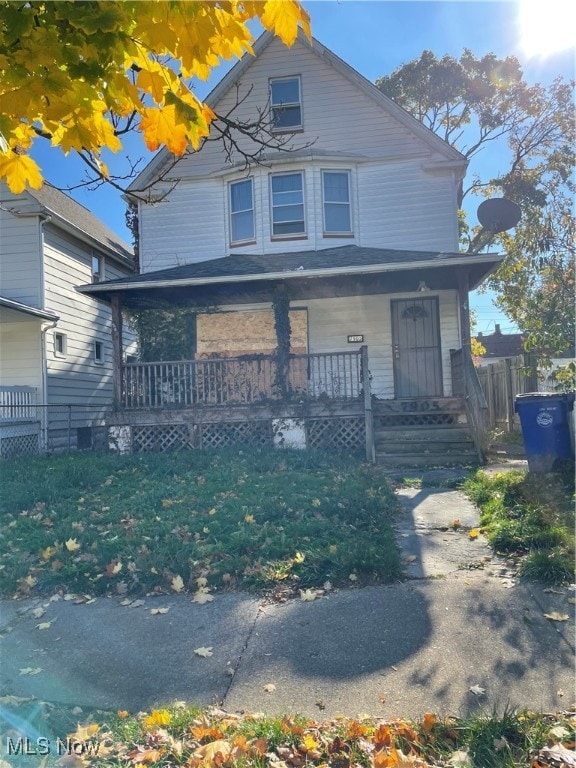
(416, 348)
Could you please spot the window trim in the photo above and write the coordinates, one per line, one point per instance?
(291, 128)
(97, 275)
(102, 359)
(344, 232)
(246, 240)
(301, 235)
(64, 338)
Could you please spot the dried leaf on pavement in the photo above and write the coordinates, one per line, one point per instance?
(555, 616)
(477, 690)
(203, 651)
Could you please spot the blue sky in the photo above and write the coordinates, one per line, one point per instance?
(375, 37)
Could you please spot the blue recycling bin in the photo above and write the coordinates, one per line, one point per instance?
(545, 420)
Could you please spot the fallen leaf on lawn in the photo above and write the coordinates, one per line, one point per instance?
(410, 558)
(249, 519)
(45, 624)
(55, 598)
(572, 600)
(499, 744)
(201, 582)
(122, 714)
(136, 603)
(204, 652)
(69, 596)
(460, 759)
(38, 613)
(158, 611)
(14, 701)
(307, 595)
(206, 755)
(202, 597)
(555, 616)
(477, 690)
(177, 584)
(72, 545)
(327, 586)
(157, 718)
(551, 591)
(140, 755)
(113, 568)
(353, 577)
(559, 732)
(474, 533)
(269, 687)
(31, 671)
(48, 552)
(299, 557)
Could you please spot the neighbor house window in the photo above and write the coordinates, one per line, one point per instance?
(97, 268)
(99, 352)
(287, 191)
(286, 103)
(241, 211)
(336, 199)
(60, 344)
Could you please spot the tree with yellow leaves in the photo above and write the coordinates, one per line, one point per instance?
(83, 74)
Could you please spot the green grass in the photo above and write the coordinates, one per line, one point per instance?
(531, 515)
(172, 736)
(256, 520)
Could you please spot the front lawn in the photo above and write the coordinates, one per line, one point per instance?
(531, 515)
(186, 736)
(258, 520)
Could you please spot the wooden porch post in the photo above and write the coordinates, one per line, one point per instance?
(464, 307)
(368, 416)
(117, 365)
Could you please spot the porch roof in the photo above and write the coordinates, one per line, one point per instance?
(331, 262)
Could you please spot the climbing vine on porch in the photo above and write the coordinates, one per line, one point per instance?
(281, 309)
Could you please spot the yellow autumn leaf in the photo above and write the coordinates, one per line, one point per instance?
(555, 616)
(308, 595)
(72, 545)
(122, 714)
(284, 16)
(474, 533)
(19, 171)
(158, 611)
(207, 753)
(156, 719)
(203, 651)
(177, 584)
(202, 596)
(249, 519)
(84, 732)
(159, 126)
(47, 553)
(309, 742)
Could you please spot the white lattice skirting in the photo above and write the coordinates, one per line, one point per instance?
(342, 434)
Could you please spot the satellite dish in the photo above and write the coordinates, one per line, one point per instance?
(498, 214)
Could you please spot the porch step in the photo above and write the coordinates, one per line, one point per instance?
(426, 432)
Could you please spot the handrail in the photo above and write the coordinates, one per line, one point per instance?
(18, 403)
(465, 382)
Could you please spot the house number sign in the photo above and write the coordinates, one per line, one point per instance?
(355, 339)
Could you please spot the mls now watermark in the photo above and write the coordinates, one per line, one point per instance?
(43, 746)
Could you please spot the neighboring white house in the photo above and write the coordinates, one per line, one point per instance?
(357, 226)
(55, 343)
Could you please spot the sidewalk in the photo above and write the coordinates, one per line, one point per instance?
(459, 620)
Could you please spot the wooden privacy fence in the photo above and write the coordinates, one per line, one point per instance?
(241, 380)
(501, 382)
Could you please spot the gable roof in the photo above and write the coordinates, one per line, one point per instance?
(330, 262)
(72, 215)
(147, 175)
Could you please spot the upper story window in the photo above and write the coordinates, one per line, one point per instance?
(287, 192)
(336, 202)
(241, 211)
(97, 268)
(286, 103)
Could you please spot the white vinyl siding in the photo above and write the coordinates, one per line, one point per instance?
(20, 252)
(336, 202)
(286, 103)
(21, 361)
(288, 206)
(241, 210)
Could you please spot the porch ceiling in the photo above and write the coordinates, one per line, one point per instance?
(344, 271)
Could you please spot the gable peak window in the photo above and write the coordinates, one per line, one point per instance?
(286, 103)
(336, 202)
(241, 210)
(287, 193)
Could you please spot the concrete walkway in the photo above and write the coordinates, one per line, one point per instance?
(460, 620)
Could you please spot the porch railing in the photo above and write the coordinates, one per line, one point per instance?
(465, 382)
(18, 403)
(241, 380)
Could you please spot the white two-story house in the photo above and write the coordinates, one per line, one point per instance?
(55, 343)
(354, 231)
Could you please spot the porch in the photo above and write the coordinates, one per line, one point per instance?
(313, 400)
(20, 425)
